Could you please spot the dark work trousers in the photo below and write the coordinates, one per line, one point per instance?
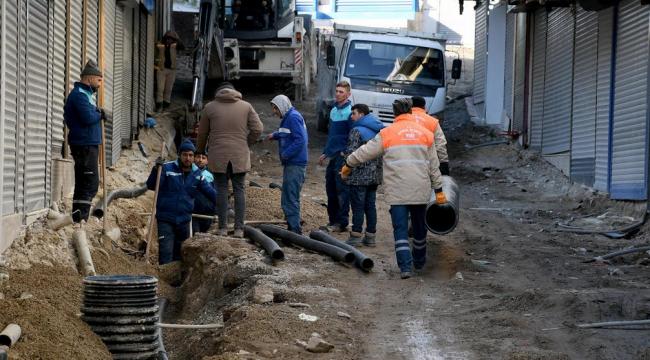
(170, 239)
(221, 179)
(86, 180)
(201, 225)
(399, 214)
(338, 194)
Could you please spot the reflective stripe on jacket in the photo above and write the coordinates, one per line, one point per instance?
(410, 161)
(421, 117)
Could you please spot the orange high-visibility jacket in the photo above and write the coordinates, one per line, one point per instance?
(421, 117)
(410, 161)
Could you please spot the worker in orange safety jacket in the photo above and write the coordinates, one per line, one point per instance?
(421, 117)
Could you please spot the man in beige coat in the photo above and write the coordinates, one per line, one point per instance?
(166, 64)
(231, 125)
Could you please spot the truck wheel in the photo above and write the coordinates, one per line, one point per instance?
(322, 118)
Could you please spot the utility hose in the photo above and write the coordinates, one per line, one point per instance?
(364, 262)
(333, 251)
(98, 211)
(264, 241)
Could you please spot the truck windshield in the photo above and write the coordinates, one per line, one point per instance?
(395, 63)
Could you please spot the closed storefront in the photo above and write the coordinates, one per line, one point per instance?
(508, 85)
(118, 86)
(605, 20)
(480, 56)
(520, 72)
(538, 73)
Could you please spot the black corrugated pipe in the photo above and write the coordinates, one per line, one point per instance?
(335, 252)
(275, 186)
(162, 304)
(442, 219)
(365, 263)
(264, 241)
(98, 211)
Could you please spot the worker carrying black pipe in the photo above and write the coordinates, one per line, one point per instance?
(83, 119)
(408, 148)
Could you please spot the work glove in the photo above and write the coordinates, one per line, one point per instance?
(159, 161)
(444, 168)
(441, 198)
(102, 112)
(345, 171)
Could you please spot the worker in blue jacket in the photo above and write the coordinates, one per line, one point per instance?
(83, 119)
(292, 138)
(202, 205)
(179, 182)
(338, 196)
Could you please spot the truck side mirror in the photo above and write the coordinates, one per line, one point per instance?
(456, 67)
(331, 56)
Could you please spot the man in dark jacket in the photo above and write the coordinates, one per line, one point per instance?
(292, 138)
(338, 196)
(202, 205)
(179, 182)
(83, 119)
(365, 178)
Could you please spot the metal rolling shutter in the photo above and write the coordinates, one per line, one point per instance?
(142, 71)
(583, 133)
(92, 31)
(480, 53)
(50, 101)
(556, 126)
(118, 86)
(36, 119)
(10, 75)
(509, 66)
(602, 98)
(539, 70)
(305, 6)
(22, 83)
(127, 77)
(520, 72)
(58, 73)
(386, 5)
(109, 73)
(151, 50)
(630, 125)
(135, 75)
(76, 42)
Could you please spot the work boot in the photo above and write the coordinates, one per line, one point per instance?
(355, 239)
(223, 232)
(369, 240)
(239, 233)
(405, 274)
(159, 106)
(166, 105)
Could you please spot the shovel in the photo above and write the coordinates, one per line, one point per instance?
(153, 210)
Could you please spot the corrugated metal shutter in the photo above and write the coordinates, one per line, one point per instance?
(305, 5)
(36, 119)
(583, 133)
(50, 101)
(602, 98)
(127, 77)
(151, 52)
(539, 70)
(10, 75)
(558, 82)
(109, 73)
(509, 72)
(118, 88)
(76, 41)
(92, 31)
(135, 75)
(142, 71)
(58, 73)
(480, 53)
(22, 83)
(630, 126)
(386, 5)
(520, 72)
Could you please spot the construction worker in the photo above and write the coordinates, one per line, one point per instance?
(166, 65)
(292, 138)
(338, 196)
(202, 205)
(83, 119)
(421, 117)
(365, 178)
(411, 171)
(179, 182)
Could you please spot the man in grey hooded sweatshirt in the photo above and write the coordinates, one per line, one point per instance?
(292, 138)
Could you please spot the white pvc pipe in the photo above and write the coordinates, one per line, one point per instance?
(61, 222)
(10, 335)
(190, 326)
(85, 260)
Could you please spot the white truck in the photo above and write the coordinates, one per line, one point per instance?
(382, 65)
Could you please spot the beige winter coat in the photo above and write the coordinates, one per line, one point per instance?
(410, 161)
(231, 125)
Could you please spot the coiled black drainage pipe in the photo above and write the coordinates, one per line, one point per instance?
(264, 241)
(123, 311)
(363, 262)
(98, 211)
(337, 253)
(162, 305)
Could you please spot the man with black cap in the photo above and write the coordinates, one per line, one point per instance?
(180, 182)
(411, 172)
(231, 125)
(166, 64)
(83, 119)
(432, 124)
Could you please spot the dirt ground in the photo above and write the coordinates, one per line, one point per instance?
(501, 286)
